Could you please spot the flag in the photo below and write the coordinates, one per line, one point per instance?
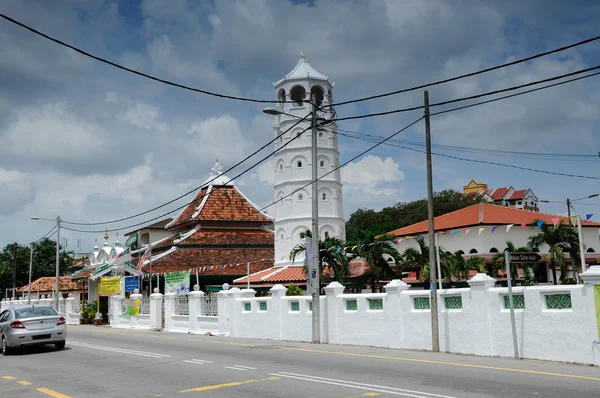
(574, 219)
(494, 229)
(588, 216)
(539, 224)
(467, 231)
(143, 258)
(454, 233)
(508, 227)
(481, 230)
(555, 221)
(523, 225)
(399, 240)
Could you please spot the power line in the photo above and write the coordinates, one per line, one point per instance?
(470, 74)
(198, 187)
(118, 66)
(187, 204)
(47, 235)
(414, 108)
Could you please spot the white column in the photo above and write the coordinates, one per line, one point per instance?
(591, 278)
(135, 296)
(480, 284)
(71, 316)
(393, 308)
(247, 293)
(195, 303)
(114, 314)
(224, 313)
(169, 310)
(330, 312)
(277, 306)
(156, 314)
(234, 294)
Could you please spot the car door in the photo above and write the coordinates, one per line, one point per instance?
(4, 320)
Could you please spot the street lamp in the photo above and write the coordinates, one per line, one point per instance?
(57, 287)
(314, 255)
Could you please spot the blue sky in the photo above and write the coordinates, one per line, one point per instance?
(91, 143)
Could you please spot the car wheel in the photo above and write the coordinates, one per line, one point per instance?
(5, 349)
(60, 346)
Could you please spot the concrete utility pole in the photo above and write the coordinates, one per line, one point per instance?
(15, 269)
(316, 307)
(435, 334)
(30, 267)
(57, 287)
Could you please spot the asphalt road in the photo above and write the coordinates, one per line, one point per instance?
(104, 362)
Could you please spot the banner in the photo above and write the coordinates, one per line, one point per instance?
(109, 286)
(133, 308)
(178, 282)
(132, 240)
(132, 283)
(597, 300)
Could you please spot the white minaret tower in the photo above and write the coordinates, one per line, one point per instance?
(293, 163)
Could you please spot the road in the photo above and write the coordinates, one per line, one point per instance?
(104, 362)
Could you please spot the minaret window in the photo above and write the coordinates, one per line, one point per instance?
(326, 234)
(322, 163)
(320, 134)
(318, 91)
(280, 167)
(299, 164)
(324, 196)
(300, 196)
(298, 93)
(281, 97)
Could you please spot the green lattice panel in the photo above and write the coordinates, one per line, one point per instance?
(453, 302)
(247, 307)
(518, 302)
(351, 305)
(376, 304)
(422, 303)
(558, 301)
(263, 305)
(295, 305)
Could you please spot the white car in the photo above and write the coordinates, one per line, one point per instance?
(31, 325)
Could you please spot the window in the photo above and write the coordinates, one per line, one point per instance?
(473, 251)
(34, 311)
(493, 250)
(298, 93)
(322, 163)
(300, 196)
(320, 134)
(298, 133)
(280, 167)
(326, 234)
(4, 316)
(299, 164)
(324, 196)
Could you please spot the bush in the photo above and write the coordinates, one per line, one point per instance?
(88, 310)
(294, 290)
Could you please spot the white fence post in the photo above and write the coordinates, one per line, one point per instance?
(156, 309)
(71, 316)
(234, 294)
(135, 296)
(330, 314)
(591, 278)
(480, 302)
(114, 315)
(195, 305)
(169, 298)
(224, 312)
(277, 305)
(393, 308)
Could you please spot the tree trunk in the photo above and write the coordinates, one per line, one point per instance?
(553, 265)
(373, 290)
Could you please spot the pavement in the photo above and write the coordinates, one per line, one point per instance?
(105, 362)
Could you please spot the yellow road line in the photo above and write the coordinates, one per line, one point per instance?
(465, 365)
(9, 377)
(232, 384)
(24, 383)
(52, 393)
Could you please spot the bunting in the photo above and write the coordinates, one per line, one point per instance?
(588, 216)
(481, 230)
(523, 225)
(494, 229)
(508, 227)
(467, 231)
(539, 224)
(555, 221)
(454, 233)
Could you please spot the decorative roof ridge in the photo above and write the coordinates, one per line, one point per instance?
(161, 255)
(189, 233)
(201, 205)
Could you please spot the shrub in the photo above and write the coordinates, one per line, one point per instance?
(294, 290)
(88, 310)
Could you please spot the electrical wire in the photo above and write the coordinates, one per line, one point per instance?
(469, 74)
(414, 108)
(47, 235)
(195, 199)
(196, 188)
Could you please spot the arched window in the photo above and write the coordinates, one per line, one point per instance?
(493, 250)
(298, 93)
(473, 251)
(299, 164)
(298, 133)
(300, 196)
(322, 163)
(281, 97)
(326, 234)
(330, 95)
(320, 134)
(461, 252)
(590, 250)
(324, 196)
(280, 166)
(318, 91)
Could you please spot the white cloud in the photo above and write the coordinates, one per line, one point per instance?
(15, 191)
(372, 175)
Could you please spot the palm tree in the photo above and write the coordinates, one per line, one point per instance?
(559, 237)
(377, 253)
(498, 260)
(457, 268)
(417, 258)
(335, 260)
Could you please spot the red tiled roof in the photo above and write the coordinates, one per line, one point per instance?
(230, 237)
(47, 284)
(482, 214)
(224, 203)
(518, 194)
(83, 275)
(498, 193)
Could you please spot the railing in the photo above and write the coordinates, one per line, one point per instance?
(145, 306)
(182, 305)
(209, 306)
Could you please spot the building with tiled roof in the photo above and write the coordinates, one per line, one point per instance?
(218, 232)
(483, 229)
(523, 199)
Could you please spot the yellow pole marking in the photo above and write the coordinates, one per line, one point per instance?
(9, 377)
(232, 384)
(465, 365)
(52, 393)
(24, 383)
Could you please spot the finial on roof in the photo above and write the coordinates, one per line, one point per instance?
(302, 56)
(106, 235)
(216, 169)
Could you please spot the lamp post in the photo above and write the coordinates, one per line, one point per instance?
(30, 267)
(314, 255)
(57, 286)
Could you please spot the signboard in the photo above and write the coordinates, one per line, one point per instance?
(109, 286)
(132, 283)
(524, 257)
(133, 308)
(178, 282)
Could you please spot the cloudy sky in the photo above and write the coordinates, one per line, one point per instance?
(91, 143)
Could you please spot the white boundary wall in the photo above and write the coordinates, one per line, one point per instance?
(474, 322)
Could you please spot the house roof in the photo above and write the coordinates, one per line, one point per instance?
(303, 70)
(48, 283)
(482, 214)
(157, 225)
(497, 193)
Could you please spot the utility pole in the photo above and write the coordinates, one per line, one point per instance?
(435, 334)
(573, 266)
(15, 270)
(30, 267)
(57, 286)
(316, 307)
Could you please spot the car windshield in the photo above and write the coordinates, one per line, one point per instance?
(34, 311)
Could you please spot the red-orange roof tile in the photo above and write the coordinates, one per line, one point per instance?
(482, 214)
(518, 194)
(498, 193)
(47, 284)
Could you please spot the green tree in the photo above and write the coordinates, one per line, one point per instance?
(329, 257)
(560, 237)
(498, 262)
(377, 253)
(457, 268)
(294, 290)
